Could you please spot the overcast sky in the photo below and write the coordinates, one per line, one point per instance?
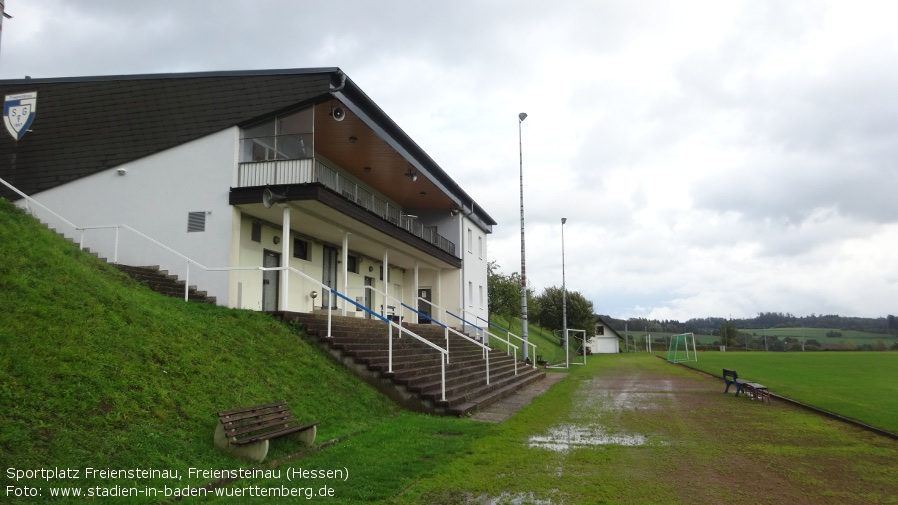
(713, 158)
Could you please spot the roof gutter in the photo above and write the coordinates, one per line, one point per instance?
(342, 76)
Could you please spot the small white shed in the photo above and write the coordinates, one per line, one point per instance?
(606, 339)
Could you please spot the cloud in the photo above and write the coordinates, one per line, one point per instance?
(712, 158)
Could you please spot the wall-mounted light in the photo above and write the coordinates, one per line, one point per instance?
(367, 170)
(411, 175)
(122, 171)
(421, 194)
(276, 240)
(353, 140)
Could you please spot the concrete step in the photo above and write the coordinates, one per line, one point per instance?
(417, 368)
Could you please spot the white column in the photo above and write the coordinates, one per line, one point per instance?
(386, 268)
(438, 296)
(415, 298)
(345, 270)
(285, 251)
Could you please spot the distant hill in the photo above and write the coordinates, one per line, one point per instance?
(709, 325)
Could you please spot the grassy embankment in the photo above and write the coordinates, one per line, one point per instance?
(97, 371)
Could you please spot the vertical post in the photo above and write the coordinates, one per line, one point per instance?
(115, 251)
(3, 14)
(521, 117)
(439, 299)
(345, 271)
(567, 348)
(386, 279)
(285, 251)
(415, 298)
(187, 281)
(390, 347)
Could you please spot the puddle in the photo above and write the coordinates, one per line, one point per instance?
(564, 438)
(507, 498)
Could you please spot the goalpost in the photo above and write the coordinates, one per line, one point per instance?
(679, 351)
(567, 348)
(580, 349)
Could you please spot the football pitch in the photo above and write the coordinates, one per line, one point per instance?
(857, 385)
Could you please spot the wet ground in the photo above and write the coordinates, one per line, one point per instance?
(676, 428)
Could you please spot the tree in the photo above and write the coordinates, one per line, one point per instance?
(728, 333)
(580, 313)
(504, 292)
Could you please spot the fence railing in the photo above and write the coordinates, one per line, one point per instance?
(530, 345)
(308, 171)
(485, 348)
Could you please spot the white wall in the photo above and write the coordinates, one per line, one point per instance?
(474, 272)
(603, 344)
(154, 197)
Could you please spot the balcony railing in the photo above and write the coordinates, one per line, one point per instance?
(309, 171)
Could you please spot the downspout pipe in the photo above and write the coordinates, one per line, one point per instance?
(342, 77)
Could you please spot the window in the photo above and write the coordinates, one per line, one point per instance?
(196, 221)
(287, 137)
(470, 239)
(480, 247)
(352, 264)
(256, 234)
(480, 289)
(301, 249)
(470, 293)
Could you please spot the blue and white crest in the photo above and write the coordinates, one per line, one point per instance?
(18, 113)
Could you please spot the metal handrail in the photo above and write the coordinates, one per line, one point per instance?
(259, 173)
(484, 348)
(531, 344)
(444, 353)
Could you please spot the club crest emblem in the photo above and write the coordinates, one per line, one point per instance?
(18, 113)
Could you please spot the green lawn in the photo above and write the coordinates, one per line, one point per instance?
(858, 385)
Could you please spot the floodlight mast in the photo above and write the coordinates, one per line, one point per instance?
(3, 14)
(521, 117)
(567, 347)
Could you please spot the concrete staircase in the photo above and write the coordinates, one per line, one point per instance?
(415, 381)
(161, 282)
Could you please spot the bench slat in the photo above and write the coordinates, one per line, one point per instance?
(274, 434)
(255, 420)
(250, 415)
(251, 409)
(269, 425)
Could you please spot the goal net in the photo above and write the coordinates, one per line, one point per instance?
(682, 348)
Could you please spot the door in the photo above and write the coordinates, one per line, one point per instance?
(423, 307)
(329, 276)
(270, 280)
(369, 296)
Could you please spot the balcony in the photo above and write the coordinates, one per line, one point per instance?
(311, 171)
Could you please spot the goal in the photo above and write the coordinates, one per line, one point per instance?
(679, 350)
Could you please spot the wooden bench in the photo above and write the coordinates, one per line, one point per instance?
(245, 432)
(753, 390)
(757, 391)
